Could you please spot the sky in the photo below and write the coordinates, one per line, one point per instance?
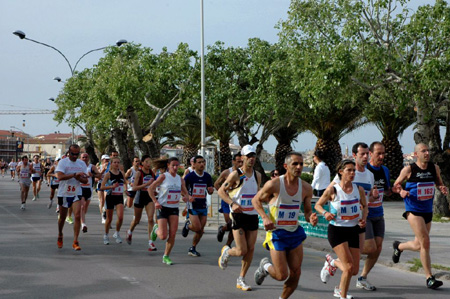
(74, 27)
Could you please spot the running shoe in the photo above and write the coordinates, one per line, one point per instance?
(57, 209)
(69, 220)
(337, 293)
(50, 204)
(76, 246)
(332, 268)
(433, 283)
(193, 252)
(103, 220)
(22, 206)
(151, 246)
(84, 229)
(220, 233)
(185, 230)
(261, 273)
(166, 260)
(34, 198)
(223, 258)
(116, 236)
(153, 234)
(60, 242)
(325, 272)
(129, 236)
(105, 239)
(363, 283)
(397, 252)
(241, 284)
(104, 215)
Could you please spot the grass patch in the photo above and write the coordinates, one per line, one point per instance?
(438, 218)
(416, 265)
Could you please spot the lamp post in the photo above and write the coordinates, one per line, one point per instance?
(202, 92)
(22, 35)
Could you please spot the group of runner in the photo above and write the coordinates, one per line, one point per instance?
(355, 214)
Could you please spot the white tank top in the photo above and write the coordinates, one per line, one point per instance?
(345, 207)
(24, 173)
(170, 191)
(244, 194)
(131, 179)
(285, 210)
(89, 182)
(37, 168)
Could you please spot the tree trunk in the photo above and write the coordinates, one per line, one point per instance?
(332, 153)
(154, 149)
(136, 130)
(225, 155)
(189, 151)
(280, 154)
(90, 147)
(394, 156)
(119, 138)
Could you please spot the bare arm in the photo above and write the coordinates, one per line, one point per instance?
(404, 175)
(324, 199)
(439, 182)
(307, 195)
(231, 181)
(152, 190)
(263, 196)
(223, 176)
(365, 210)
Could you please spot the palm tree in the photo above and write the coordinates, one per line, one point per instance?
(285, 136)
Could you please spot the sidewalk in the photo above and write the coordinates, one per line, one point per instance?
(397, 228)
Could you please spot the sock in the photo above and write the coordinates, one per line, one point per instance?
(117, 232)
(266, 267)
(130, 232)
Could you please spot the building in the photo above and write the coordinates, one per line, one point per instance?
(12, 144)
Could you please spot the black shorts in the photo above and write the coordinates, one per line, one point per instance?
(142, 199)
(426, 216)
(35, 179)
(54, 187)
(341, 234)
(131, 194)
(245, 221)
(113, 200)
(86, 193)
(165, 212)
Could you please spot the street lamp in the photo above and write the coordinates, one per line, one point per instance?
(22, 35)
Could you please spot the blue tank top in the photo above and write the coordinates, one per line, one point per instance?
(421, 189)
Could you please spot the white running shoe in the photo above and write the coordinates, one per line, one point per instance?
(105, 239)
(22, 206)
(337, 293)
(261, 273)
(117, 237)
(103, 220)
(34, 198)
(151, 246)
(325, 273)
(363, 283)
(241, 284)
(223, 258)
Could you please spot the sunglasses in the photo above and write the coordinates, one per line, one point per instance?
(74, 154)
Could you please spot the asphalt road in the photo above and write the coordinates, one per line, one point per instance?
(31, 265)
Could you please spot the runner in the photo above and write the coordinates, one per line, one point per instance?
(3, 166)
(129, 176)
(54, 182)
(70, 172)
(37, 176)
(47, 166)
(284, 237)
(345, 224)
(421, 178)
(225, 208)
(12, 169)
(85, 193)
(186, 172)
(142, 180)
(198, 184)
(238, 191)
(114, 181)
(104, 168)
(274, 174)
(172, 189)
(375, 219)
(24, 170)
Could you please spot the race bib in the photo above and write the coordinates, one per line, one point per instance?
(378, 202)
(425, 191)
(350, 209)
(287, 215)
(118, 190)
(173, 197)
(70, 190)
(199, 191)
(24, 174)
(145, 180)
(246, 202)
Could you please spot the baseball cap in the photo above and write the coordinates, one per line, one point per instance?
(248, 149)
(105, 157)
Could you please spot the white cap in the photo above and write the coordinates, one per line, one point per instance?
(248, 149)
(105, 157)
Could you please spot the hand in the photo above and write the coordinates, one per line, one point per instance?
(116, 184)
(397, 188)
(329, 216)
(404, 193)
(236, 208)
(268, 224)
(210, 190)
(191, 199)
(375, 193)
(362, 223)
(443, 189)
(313, 219)
(158, 205)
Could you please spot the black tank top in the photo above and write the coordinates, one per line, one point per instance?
(419, 175)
